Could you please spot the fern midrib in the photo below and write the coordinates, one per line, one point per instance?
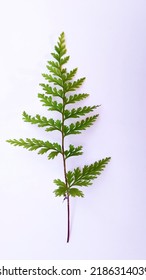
(63, 148)
(62, 131)
(64, 159)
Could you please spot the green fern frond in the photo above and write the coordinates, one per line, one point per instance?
(73, 151)
(52, 79)
(75, 192)
(77, 127)
(84, 177)
(75, 98)
(61, 61)
(61, 46)
(74, 85)
(48, 102)
(78, 112)
(53, 154)
(43, 122)
(61, 191)
(52, 91)
(53, 64)
(35, 144)
(55, 125)
(56, 56)
(55, 71)
(64, 191)
(64, 60)
(60, 84)
(69, 76)
(59, 183)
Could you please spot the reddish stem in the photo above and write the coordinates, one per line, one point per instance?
(65, 177)
(68, 219)
(64, 166)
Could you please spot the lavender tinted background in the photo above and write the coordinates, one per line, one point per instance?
(106, 40)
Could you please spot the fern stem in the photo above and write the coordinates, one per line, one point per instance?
(63, 155)
(67, 195)
(65, 175)
(68, 218)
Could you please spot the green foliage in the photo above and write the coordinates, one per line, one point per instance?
(73, 151)
(74, 98)
(76, 113)
(77, 127)
(84, 177)
(57, 95)
(61, 191)
(51, 91)
(63, 85)
(52, 105)
(76, 192)
(42, 122)
(34, 144)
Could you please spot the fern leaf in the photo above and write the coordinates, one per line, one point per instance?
(52, 91)
(75, 192)
(54, 64)
(76, 128)
(34, 144)
(42, 122)
(71, 74)
(52, 79)
(84, 177)
(74, 85)
(56, 125)
(64, 60)
(61, 61)
(48, 102)
(61, 191)
(73, 151)
(75, 98)
(53, 154)
(59, 183)
(70, 177)
(55, 71)
(59, 85)
(56, 56)
(61, 46)
(81, 111)
(60, 50)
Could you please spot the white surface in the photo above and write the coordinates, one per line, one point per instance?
(106, 41)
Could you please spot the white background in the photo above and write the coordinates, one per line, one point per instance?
(106, 41)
